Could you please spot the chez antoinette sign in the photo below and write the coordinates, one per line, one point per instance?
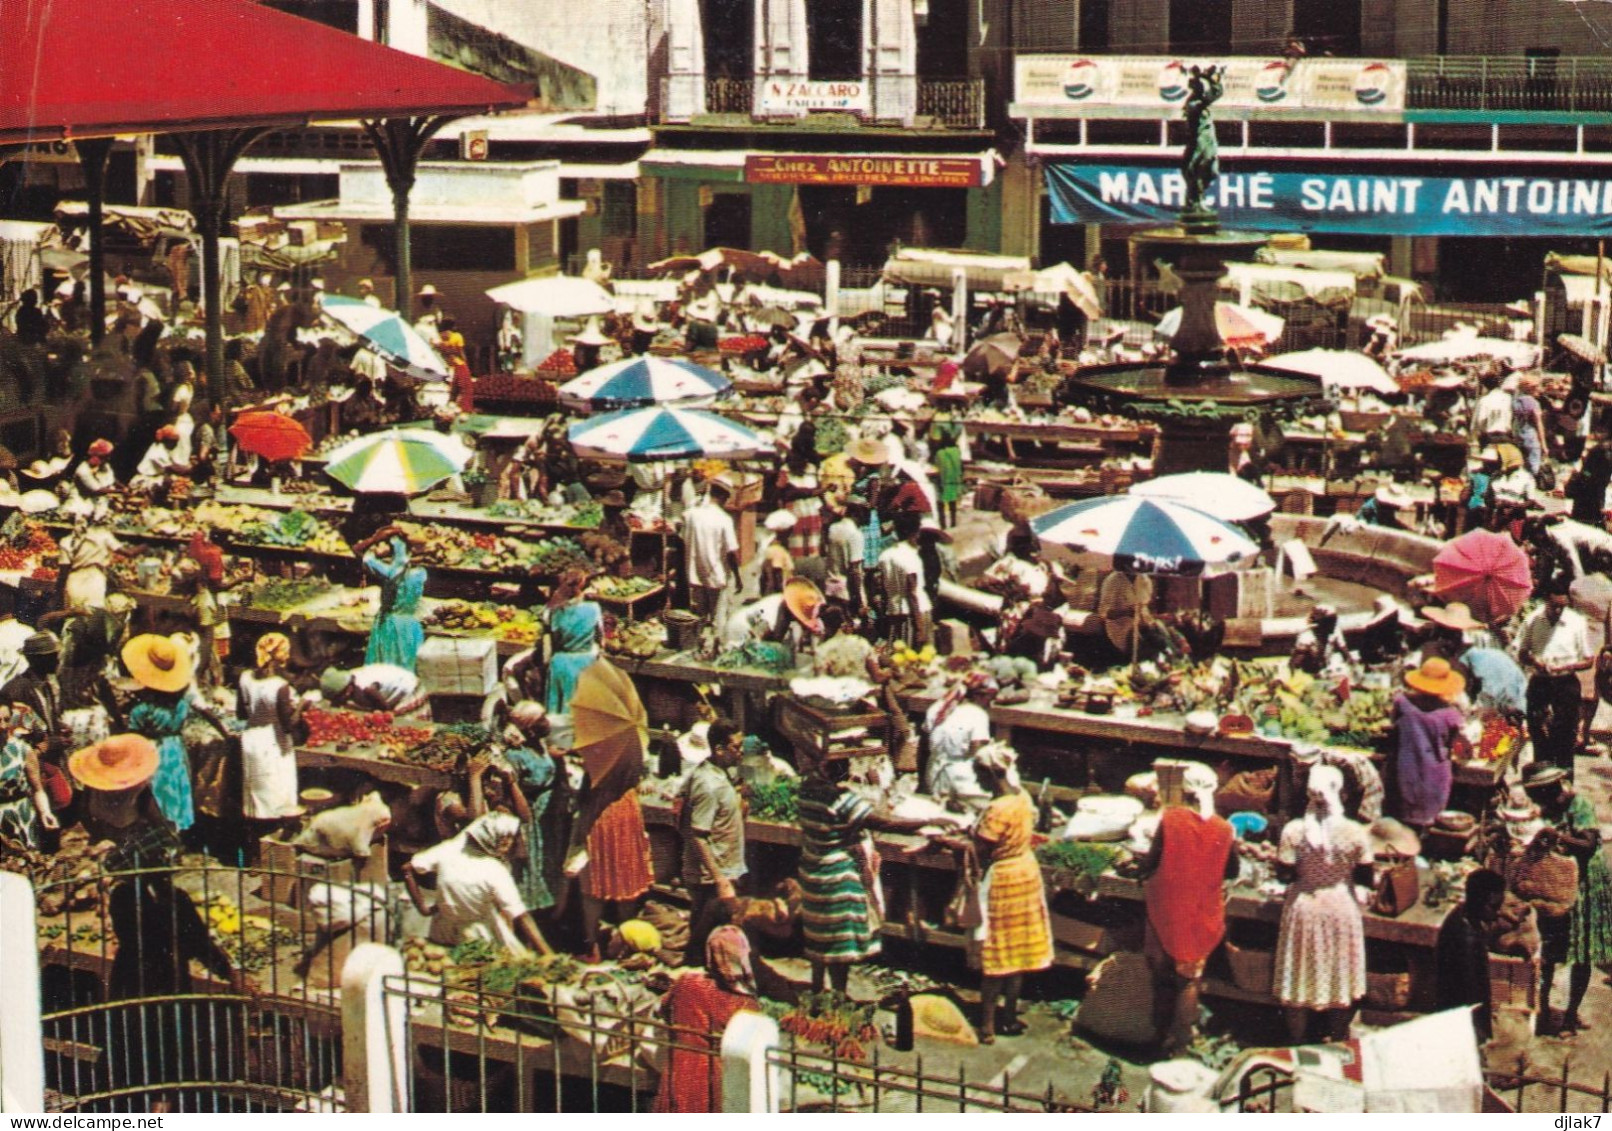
(803, 96)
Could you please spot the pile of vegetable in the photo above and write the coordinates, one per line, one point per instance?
(775, 801)
(621, 588)
(560, 364)
(341, 729)
(1498, 740)
(297, 530)
(508, 387)
(832, 436)
(1078, 863)
(742, 344)
(762, 654)
(250, 941)
(640, 639)
(587, 515)
(23, 549)
(280, 594)
(480, 618)
(835, 1023)
(448, 546)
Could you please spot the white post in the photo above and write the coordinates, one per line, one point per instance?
(406, 28)
(750, 1084)
(366, 19)
(831, 291)
(22, 1032)
(374, 1052)
(959, 310)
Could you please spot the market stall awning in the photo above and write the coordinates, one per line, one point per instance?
(85, 68)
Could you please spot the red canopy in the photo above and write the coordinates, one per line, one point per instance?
(93, 68)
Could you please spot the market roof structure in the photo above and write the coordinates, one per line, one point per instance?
(84, 68)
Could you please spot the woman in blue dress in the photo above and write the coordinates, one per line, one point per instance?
(576, 628)
(397, 634)
(542, 784)
(163, 667)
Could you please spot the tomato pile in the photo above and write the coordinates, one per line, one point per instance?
(24, 553)
(508, 387)
(743, 343)
(360, 728)
(560, 363)
(1499, 739)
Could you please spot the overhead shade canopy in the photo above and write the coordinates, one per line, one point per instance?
(87, 68)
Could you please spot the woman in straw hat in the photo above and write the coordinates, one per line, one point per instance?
(157, 929)
(1425, 724)
(1321, 944)
(789, 617)
(585, 346)
(163, 667)
(268, 751)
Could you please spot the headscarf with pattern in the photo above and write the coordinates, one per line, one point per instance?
(727, 957)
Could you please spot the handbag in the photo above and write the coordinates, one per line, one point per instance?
(963, 912)
(1397, 890)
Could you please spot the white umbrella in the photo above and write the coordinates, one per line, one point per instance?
(663, 432)
(1227, 497)
(558, 296)
(388, 333)
(1338, 369)
(1060, 278)
(1462, 347)
(1140, 535)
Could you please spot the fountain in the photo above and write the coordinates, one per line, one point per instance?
(1196, 395)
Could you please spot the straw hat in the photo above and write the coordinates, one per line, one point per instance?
(159, 663)
(1540, 774)
(117, 763)
(804, 601)
(1435, 677)
(1393, 838)
(1393, 495)
(780, 522)
(644, 320)
(866, 450)
(591, 334)
(427, 291)
(694, 746)
(1455, 615)
(1510, 456)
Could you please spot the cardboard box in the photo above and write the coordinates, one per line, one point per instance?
(289, 871)
(453, 666)
(303, 233)
(953, 638)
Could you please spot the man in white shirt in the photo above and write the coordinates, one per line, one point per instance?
(477, 897)
(711, 544)
(161, 462)
(366, 292)
(846, 548)
(901, 577)
(1491, 416)
(1553, 648)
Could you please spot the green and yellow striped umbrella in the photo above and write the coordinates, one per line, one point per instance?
(402, 461)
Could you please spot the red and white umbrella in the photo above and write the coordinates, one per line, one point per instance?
(1240, 326)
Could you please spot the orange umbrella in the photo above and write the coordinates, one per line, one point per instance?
(272, 435)
(608, 719)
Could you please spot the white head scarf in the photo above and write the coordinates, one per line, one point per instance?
(493, 833)
(1326, 803)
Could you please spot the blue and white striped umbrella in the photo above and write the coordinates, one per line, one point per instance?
(663, 432)
(640, 381)
(387, 332)
(1138, 535)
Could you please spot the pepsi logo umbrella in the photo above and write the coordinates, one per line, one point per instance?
(1488, 571)
(1140, 535)
(640, 381)
(663, 432)
(399, 461)
(1227, 497)
(388, 333)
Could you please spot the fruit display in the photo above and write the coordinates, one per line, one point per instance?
(641, 640)
(561, 364)
(24, 549)
(250, 941)
(605, 550)
(1496, 742)
(621, 588)
(451, 547)
(586, 516)
(508, 387)
(479, 618)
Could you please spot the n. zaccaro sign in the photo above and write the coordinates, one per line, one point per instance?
(800, 96)
(1376, 204)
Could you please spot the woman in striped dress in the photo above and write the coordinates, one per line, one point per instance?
(840, 909)
(802, 495)
(1017, 931)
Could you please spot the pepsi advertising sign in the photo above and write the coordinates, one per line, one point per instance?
(1160, 82)
(1366, 204)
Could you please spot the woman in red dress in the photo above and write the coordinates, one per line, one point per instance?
(609, 853)
(698, 1008)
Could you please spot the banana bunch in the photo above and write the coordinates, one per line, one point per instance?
(904, 656)
(223, 916)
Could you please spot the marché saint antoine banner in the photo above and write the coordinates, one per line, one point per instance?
(1371, 204)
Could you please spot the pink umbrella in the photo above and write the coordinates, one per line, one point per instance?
(1488, 571)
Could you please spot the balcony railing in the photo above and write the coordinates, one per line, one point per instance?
(956, 104)
(1532, 83)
